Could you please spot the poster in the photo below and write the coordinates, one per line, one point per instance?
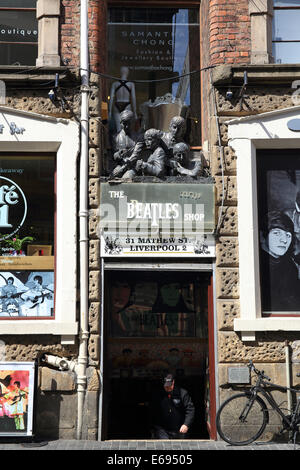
(162, 306)
(279, 231)
(26, 294)
(16, 398)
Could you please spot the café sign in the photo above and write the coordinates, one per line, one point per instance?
(138, 219)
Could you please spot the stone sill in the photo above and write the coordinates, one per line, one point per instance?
(12, 74)
(271, 74)
(248, 326)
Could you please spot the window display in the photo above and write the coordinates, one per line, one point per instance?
(154, 62)
(157, 306)
(279, 217)
(27, 202)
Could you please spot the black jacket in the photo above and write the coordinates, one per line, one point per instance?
(172, 410)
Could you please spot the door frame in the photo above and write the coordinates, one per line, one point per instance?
(157, 265)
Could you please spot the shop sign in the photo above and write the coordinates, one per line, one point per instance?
(139, 219)
(13, 207)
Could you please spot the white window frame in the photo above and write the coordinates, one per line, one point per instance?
(60, 136)
(246, 135)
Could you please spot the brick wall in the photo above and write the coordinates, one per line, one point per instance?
(229, 32)
(70, 33)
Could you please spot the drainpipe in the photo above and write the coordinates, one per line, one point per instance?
(288, 375)
(83, 217)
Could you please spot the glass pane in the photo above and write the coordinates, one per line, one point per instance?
(286, 3)
(157, 306)
(286, 25)
(18, 54)
(26, 210)
(153, 45)
(18, 27)
(279, 230)
(26, 236)
(286, 52)
(18, 3)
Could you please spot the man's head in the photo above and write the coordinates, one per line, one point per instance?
(152, 138)
(277, 234)
(177, 126)
(169, 383)
(126, 119)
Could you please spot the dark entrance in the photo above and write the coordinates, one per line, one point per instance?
(156, 323)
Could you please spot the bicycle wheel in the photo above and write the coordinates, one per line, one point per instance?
(235, 430)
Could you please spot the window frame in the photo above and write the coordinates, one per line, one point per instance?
(246, 135)
(165, 4)
(30, 43)
(274, 41)
(59, 136)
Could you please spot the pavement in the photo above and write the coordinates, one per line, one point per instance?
(151, 446)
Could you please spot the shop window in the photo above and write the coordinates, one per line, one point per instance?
(154, 57)
(286, 36)
(267, 185)
(157, 306)
(18, 32)
(27, 235)
(279, 226)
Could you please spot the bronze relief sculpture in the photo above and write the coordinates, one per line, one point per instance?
(156, 153)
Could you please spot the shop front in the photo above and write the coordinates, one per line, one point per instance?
(157, 255)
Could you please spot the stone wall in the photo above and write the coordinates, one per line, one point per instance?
(268, 352)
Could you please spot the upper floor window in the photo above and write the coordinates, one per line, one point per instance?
(155, 54)
(18, 32)
(286, 34)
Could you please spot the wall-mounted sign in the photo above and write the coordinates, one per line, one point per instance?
(157, 219)
(13, 128)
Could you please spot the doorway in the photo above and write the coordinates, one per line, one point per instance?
(156, 322)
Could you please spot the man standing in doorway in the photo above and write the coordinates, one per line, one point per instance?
(172, 411)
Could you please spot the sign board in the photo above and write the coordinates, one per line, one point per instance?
(154, 219)
(238, 375)
(17, 386)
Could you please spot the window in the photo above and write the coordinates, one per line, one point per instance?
(286, 36)
(144, 305)
(39, 200)
(267, 180)
(278, 195)
(19, 32)
(27, 235)
(155, 52)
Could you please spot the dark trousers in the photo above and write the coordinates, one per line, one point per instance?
(161, 433)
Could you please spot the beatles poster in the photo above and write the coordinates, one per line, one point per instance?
(26, 294)
(279, 230)
(16, 398)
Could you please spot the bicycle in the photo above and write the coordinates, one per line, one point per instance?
(242, 418)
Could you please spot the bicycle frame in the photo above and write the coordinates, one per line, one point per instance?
(262, 386)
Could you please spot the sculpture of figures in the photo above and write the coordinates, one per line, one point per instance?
(180, 164)
(122, 97)
(175, 133)
(156, 162)
(125, 145)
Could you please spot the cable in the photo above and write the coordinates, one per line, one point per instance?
(110, 77)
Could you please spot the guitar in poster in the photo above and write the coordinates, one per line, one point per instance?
(26, 294)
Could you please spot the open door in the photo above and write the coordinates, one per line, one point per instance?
(157, 322)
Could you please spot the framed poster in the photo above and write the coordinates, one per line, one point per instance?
(17, 381)
(26, 294)
(278, 178)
